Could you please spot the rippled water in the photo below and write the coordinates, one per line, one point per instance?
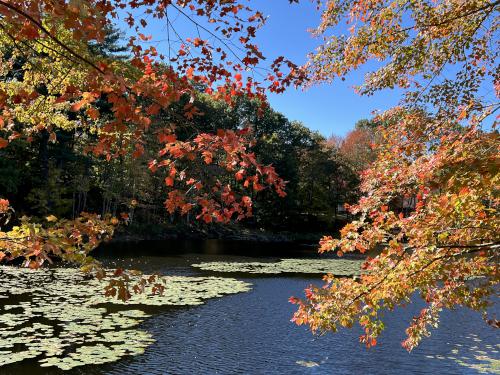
(251, 333)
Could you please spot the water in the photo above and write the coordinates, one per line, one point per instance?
(251, 333)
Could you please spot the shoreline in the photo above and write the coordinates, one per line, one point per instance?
(215, 232)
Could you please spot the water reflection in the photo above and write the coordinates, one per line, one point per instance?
(210, 247)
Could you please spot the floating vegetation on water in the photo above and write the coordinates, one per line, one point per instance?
(482, 359)
(339, 267)
(307, 363)
(183, 291)
(64, 320)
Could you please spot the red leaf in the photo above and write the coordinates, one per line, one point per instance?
(239, 175)
(169, 181)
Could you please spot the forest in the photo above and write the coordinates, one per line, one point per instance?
(159, 214)
(57, 176)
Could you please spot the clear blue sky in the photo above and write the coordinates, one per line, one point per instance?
(330, 109)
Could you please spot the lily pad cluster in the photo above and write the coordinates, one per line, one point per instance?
(339, 267)
(478, 356)
(61, 319)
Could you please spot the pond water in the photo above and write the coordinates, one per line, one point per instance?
(251, 332)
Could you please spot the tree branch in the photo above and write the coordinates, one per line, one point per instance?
(47, 32)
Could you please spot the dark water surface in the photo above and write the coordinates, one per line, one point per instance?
(251, 333)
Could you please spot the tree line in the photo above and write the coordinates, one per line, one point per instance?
(57, 176)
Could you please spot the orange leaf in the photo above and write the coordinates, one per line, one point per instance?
(76, 106)
(239, 175)
(462, 114)
(169, 181)
(167, 138)
(93, 113)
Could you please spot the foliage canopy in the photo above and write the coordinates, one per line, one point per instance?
(56, 76)
(429, 210)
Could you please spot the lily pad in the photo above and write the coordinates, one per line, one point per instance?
(483, 360)
(307, 363)
(339, 267)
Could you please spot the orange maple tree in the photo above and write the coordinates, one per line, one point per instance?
(357, 148)
(439, 147)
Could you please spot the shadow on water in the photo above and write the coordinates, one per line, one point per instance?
(210, 247)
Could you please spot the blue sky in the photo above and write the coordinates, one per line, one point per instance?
(329, 109)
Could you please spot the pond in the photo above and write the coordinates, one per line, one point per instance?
(248, 331)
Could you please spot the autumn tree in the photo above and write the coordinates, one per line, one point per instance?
(358, 145)
(55, 75)
(441, 145)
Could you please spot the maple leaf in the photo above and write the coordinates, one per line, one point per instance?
(239, 175)
(169, 181)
